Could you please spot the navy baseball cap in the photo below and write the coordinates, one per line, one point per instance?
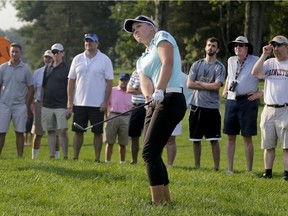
(91, 36)
(124, 76)
(143, 19)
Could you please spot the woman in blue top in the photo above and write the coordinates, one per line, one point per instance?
(160, 78)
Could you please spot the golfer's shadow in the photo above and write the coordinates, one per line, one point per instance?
(92, 174)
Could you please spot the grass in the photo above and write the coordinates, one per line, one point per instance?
(83, 187)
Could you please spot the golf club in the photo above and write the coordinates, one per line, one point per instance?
(91, 126)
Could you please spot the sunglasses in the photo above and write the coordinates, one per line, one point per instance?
(240, 45)
(277, 44)
(54, 52)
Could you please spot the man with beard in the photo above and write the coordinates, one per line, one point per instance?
(206, 76)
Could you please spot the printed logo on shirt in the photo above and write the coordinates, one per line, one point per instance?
(165, 35)
(277, 74)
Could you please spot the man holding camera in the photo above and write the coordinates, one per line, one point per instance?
(241, 107)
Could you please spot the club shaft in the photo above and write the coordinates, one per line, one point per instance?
(106, 120)
(120, 114)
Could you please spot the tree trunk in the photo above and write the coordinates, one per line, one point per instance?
(161, 13)
(253, 24)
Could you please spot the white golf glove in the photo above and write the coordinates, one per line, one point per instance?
(158, 95)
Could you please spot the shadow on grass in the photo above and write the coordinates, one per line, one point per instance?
(83, 174)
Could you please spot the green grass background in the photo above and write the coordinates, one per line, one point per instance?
(83, 187)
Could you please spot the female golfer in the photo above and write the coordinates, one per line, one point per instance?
(160, 78)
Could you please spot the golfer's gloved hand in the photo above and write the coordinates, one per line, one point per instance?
(158, 95)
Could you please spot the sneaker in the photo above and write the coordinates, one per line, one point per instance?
(97, 161)
(285, 178)
(133, 162)
(267, 176)
(229, 172)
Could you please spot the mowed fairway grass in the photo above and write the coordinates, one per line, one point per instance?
(83, 187)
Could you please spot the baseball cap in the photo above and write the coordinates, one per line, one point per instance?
(279, 39)
(124, 76)
(48, 53)
(91, 36)
(57, 46)
(240, 40)
(141, 18)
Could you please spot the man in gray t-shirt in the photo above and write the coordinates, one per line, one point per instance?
(16, 94)
(206, 76)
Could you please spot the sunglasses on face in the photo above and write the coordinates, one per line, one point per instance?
(240, 45)
(54, 52)
(276, 44)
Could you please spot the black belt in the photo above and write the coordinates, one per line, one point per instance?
(137, 104)
(238, 97)
(277, 105)
(118, 113)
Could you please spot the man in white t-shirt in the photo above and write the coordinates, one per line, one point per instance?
(91, 77)
(274, 117)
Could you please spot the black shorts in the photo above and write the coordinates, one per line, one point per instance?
(204, 122)
(136, 121)
(241, 115)
(83, 114)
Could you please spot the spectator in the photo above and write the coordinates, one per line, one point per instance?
(119, 102)
(16, 95)
(206, 76)
(91, 78)
(137, 117)
(54, 93)
(28, 136)
(171, 144)
(37, 129)
(160, 68)
(241, 106)
(274, 116)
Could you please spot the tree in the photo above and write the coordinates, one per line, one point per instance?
(253, 24)
(65, 22)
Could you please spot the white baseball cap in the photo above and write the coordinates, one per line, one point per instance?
(279, 39)
(48, 53)
(57, 46)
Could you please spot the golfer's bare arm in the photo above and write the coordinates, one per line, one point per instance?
(146, 86)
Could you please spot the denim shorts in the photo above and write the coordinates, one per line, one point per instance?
(241, 115)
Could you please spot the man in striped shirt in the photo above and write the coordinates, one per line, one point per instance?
(137, 117)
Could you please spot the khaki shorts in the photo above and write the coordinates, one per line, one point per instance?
(37, 124)
(18, 114)
(54, 119)
(117, 126)
(274, 126)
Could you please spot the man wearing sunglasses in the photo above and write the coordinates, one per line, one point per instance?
(241, 106)
(274, 117)
(54, 97)
(91, 80)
